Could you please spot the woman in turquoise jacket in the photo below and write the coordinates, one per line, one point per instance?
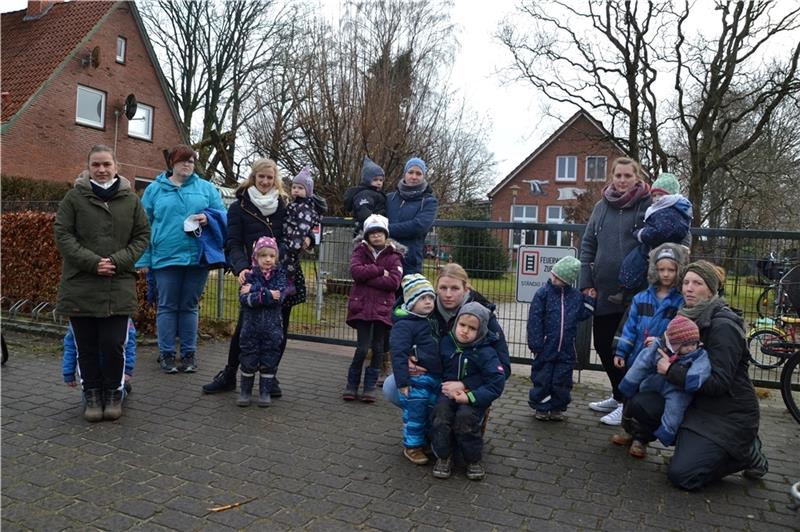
(187, 218)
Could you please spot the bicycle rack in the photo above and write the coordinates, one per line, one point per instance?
(16, 307)
(38, 309)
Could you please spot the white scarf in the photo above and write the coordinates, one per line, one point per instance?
(267, 203)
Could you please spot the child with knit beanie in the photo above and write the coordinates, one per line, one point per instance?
(667, 219)
(303, 214)
(553, 318)
(413, 338)
(366, 198)
(376, 267)
(681, 343)
(261, 297)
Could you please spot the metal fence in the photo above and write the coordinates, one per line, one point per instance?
(488, 250)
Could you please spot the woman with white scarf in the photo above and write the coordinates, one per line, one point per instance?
(259, 210)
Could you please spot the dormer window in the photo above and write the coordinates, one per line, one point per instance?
(122, 48)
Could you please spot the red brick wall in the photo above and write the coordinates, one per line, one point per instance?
(46, 143)
(582, 139)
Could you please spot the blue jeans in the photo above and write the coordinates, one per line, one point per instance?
(179, 291)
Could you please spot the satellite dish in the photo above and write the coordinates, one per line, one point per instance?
(129, 109)
(94, 57)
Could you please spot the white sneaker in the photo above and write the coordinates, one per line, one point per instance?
(614, 418)
(606, 405)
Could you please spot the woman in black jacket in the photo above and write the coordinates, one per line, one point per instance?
(719, 433)
(259, 210)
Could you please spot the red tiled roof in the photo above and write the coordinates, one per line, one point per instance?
(31, 50)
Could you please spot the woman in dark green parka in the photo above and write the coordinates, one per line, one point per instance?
(100, 231)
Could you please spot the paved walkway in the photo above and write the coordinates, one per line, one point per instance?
(315, 463)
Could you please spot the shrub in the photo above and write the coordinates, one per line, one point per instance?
(480, 252)
(25, 189)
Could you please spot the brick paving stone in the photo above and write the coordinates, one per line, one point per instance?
(314, 462)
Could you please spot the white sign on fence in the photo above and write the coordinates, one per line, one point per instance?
(533, 267)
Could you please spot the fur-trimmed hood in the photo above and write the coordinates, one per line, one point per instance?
(680, 252)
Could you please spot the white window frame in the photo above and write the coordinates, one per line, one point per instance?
(566, 160)
(554, 220)
(522, 233)
(604, 174)
(140, 108)
(85, 121)
(121, 57)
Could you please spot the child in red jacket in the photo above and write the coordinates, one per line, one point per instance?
(376, 267)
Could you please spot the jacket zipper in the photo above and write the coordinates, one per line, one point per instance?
(561, 336)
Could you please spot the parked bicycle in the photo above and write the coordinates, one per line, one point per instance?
(770, 339)
(773, 300)
(790, 383)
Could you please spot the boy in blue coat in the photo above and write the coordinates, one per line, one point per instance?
(413, 338)
(553, 318)
(682, 342)
(668, 219)
(468, 356)
(70, 358)
(261, 296)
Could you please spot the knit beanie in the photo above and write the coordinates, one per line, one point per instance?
(261, 243)
(483, 314)
(376, 222)
(369, 171)
(665, 184)
(681, 330)
(707, 271)
(419, 163)
(304, 178)
(415, 286)
(567, 269)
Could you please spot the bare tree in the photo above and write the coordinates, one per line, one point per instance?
(215, 56)
(612, 68)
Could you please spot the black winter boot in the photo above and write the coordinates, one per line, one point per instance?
(245, 389)
(93, 405)
(265, 384)
(224, 381)
(113, 405)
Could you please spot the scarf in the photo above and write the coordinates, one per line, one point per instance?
(450, 314)
(105, 191)
(410, 193)
(628, 199)
(693, 313)
(267, 203)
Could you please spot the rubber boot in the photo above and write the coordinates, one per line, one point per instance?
(93, 405)
(370, 380)
(113, 405)
(353, 380)
(245, 389)
(265, 384)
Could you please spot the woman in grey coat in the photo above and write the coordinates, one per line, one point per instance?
(608, 237)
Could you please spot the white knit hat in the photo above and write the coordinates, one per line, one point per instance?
(376, 222)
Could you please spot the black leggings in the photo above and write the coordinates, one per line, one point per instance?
(234, 349)
(96, 338)
(369, 334)
(604, 329)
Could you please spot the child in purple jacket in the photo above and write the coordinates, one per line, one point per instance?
(376, 266)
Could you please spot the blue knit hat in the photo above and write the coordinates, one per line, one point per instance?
(370, 170)
(304, 178)
(419, 163)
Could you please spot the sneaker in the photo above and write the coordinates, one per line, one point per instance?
(442, 468)
(622, 438)
(542, 415)
(475, 471)
(557, 415)
(349, 394)
(224, 381)
(93, 405)
(415, 455)
(189, 363)
(168, 364)
(638, 449)
(759, 466)
(606, 405)
(112, 401)
(614, 418)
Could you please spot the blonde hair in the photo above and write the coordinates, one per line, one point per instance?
(456, 272)
(261, 165)
(637, 168)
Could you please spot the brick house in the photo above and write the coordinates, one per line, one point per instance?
(565, 165)
(67, 68)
